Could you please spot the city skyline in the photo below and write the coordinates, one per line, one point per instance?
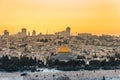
(96, 17)
(25, 31)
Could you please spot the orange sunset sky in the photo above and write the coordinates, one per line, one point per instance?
(83, 16)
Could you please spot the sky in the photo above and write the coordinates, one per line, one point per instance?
(83, 16)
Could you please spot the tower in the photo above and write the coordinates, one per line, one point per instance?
(34, 33)
(6, 33)
(24, 32)
(28, 33)
(68, 30)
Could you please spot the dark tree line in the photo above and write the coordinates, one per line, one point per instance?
(66, 66)
(30, 64)
(112, 63)
(19, 64)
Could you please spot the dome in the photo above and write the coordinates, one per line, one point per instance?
(63, 49)
(68, 29)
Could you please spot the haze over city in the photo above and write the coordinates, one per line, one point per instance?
(84, 16)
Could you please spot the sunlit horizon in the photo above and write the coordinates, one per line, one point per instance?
(83, 16)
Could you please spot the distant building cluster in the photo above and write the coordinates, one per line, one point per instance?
(61, 45)
(65, 33)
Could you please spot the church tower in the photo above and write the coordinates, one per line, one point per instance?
(68, 30)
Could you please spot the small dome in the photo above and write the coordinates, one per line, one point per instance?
(63, 49)
(68, 27)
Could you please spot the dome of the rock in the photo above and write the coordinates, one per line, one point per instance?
(63, 49)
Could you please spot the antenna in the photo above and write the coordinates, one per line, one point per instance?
(47, 31)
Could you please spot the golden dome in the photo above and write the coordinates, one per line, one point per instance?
(63, 49)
